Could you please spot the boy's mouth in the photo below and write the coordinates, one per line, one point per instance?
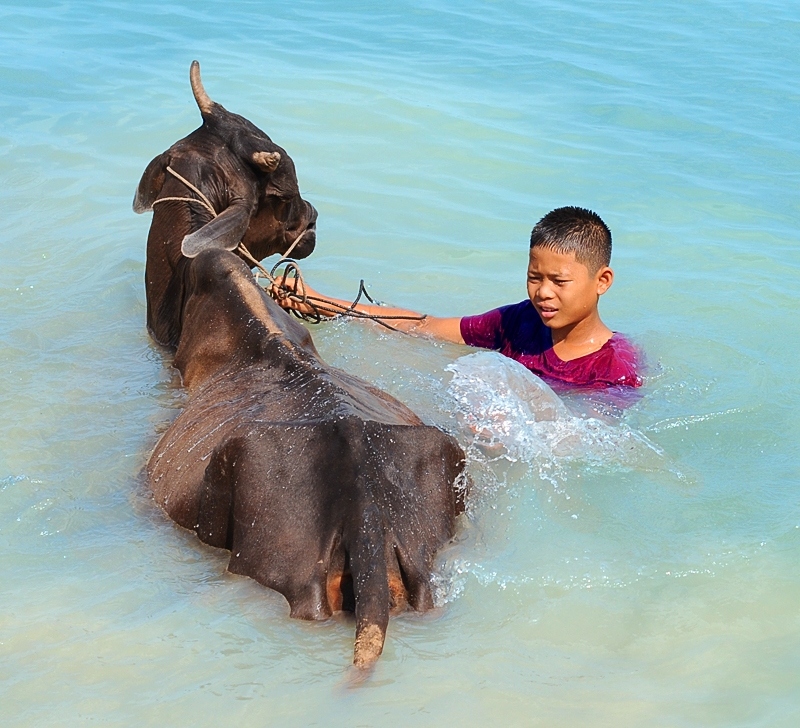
(546, 312)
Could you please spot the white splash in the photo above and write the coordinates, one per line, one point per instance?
(506, 411)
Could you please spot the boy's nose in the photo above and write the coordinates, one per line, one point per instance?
(545, 291)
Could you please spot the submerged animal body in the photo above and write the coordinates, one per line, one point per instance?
(225, 183)
(323, 487)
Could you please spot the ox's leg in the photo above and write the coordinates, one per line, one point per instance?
(310, 600)
(416, 573)
(398, 592)
(277, 531)
(215, 514)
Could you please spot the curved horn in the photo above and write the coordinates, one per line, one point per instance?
(200, 95)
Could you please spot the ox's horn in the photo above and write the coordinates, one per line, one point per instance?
(200, 96)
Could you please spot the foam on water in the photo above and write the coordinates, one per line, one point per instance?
(514, 427)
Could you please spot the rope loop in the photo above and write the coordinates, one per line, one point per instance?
(296, 292)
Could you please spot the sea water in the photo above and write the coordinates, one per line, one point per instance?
(628, 567)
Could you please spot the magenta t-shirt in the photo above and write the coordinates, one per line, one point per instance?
(517, 332)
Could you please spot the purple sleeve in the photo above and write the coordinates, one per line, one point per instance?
(482, 330)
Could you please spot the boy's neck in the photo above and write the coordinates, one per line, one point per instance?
(579, 339)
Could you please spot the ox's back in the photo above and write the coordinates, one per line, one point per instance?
(246, 362)
(321, 485)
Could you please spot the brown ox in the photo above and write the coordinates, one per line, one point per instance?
(323, 487)
(224, 183)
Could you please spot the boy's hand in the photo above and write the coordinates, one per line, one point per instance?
(297, 295)
(289, 292)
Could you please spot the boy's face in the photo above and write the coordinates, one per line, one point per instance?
(563, 291)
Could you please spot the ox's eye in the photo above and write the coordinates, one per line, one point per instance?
(275, 200)
(279, 195)
(280, 207)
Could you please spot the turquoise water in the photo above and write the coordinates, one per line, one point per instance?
(635, 572)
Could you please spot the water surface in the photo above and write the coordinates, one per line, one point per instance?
(637, 572)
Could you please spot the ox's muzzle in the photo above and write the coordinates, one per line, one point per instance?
(307, 227)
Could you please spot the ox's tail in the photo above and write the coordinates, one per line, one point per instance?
(371, 588)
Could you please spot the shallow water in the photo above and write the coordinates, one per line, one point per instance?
(635, 571)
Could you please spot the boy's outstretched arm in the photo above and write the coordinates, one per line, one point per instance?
(442, 329)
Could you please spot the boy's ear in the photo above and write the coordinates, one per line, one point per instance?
(604, 278)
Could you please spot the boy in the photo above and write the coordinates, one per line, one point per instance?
(557, 332)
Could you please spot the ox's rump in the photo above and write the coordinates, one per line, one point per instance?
(292, 504)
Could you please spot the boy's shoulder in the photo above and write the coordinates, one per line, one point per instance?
(506, 324)
(618, 363)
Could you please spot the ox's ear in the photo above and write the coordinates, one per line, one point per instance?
(266, 161)
(226, 231)
(151, 183)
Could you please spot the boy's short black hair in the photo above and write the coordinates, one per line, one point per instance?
(575, 230)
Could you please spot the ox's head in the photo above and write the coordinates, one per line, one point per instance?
(249, 181)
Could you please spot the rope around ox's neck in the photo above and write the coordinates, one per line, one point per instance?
(279, 288)
(204, 201)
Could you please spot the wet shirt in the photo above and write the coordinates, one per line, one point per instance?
(517, 332)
